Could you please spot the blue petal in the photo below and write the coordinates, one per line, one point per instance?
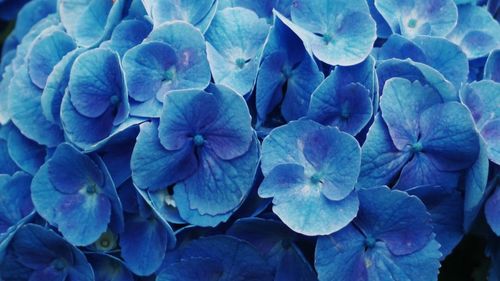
(412, 18)
(416, 71)
(109, 268)
(491, 135)
(264, 9)
(302, 205)
(234, 40)
(197, 13)
(402, 104)
(400, 47)
(191, 70)
(446, 57)
(96, 84)
(56, 86)
(381, 161)
(154, 167)
(148, 68)
(475, 182)
(127, 34)
(476, 32)
(26, 111)
(220, 186)
(452, 143)
(143, 244)
(492, 211)
(239, 260)
(492, 66)
(15, 200)
(8, 166)
(481, 98)
(27, 154)
(192, 269)
(344, 36)
(70, 171)
(46, 51)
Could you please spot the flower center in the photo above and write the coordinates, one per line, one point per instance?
(114, 100)
(345, 111)
(417, 147)
(370, 242)
(327, 38)
(316, 178)
(106, 242)
(198, 140)
(59, 264)
(169, 75)
(91, 188)
(240, 62)
(412, 23)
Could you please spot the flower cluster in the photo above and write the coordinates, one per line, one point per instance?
(186, 140)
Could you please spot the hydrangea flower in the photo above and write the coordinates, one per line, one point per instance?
(476, 32)
(336, 32)
(198, 13)
(95, 102)
(205, 145)
(287, 77)
(346, 97)
(384, 242)
(420, 137)
(419, 17)
(234, 47)
(38, 253)
(217, 257)
(173, 57)
(310, 171)
(74, 192)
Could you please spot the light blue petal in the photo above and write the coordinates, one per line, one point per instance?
(400, 47)
(476, 32)
(26, 111)
(27, 154)
(301, 205)
(234, 42)
(127, 34)
(199, 13)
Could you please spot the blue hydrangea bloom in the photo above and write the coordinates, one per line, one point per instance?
(90, 22)
(198, 13)
(476, 32)
(492, 66)
(420, 137)
(214, 258)
(436, 52)
(38, 253)
(445, 206)
(146, 237)
(346, 97)
(419, 17)
(287, 76)
(482, 99)
(275, 242)
(74, 192)
(310, 171)
(95, 102)
(234, 46)
(384, 242)
(205, 145)
(492, 209)
(336, 32)
(173, 57)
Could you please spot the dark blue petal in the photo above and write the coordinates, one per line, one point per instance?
(192, 269)
(127, 34)
(492, 211)
(109, 268)
(15, 200)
